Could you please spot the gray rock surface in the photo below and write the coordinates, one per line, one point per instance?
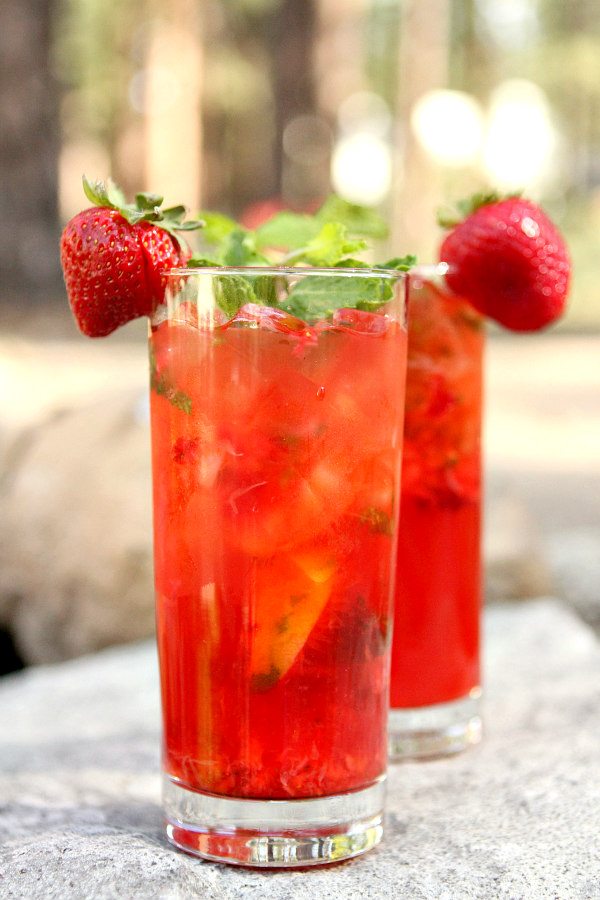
(76, 531)
(516, 818)
(515, 563)
(574, 560)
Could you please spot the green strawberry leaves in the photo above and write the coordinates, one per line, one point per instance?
(148, 201)
(147, 207)
(101, 193)
(450, 218)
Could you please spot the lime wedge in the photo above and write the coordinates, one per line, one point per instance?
(291, 592)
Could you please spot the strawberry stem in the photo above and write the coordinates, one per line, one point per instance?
(147, 207)
(450, 218)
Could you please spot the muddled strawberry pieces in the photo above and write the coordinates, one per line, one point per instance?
(280, 493)
(441, 455)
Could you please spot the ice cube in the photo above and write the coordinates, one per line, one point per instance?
(360, 321)
(189, 313)
(272, 319)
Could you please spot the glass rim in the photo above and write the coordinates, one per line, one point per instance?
(429, 270)
(369, 271)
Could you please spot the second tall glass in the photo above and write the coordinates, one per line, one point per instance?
(435, 683)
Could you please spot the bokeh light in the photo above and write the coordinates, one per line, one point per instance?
(521, 141)
(361, 165)
(449, 125)
(361, 168)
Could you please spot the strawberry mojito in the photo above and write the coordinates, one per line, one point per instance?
(435, 660)
(505, 260)
(275, 360)
(276, 457)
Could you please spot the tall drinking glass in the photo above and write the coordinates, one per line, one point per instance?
(435, 682)
(276, 462)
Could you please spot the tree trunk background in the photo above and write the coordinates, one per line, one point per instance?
(29, 222)
(291, 50)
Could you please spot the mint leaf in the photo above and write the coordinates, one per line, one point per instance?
(399, 263)
(232, 292)
(318, 296)
(378, 520)
(265, 289)
(319, 241)
(217, 227)
(328, 247)
(202, 262)
(359, 220)
(163, 387)
(239, 250)
(287, 231)
(350, 263)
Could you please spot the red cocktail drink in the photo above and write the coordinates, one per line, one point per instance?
(435, 659)
(276, 460)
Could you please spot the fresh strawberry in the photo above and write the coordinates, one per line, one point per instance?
(509, 260)
(114, 257)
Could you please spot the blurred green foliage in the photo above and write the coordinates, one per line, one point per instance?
(93, 57)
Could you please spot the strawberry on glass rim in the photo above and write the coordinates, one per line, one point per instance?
(508, 259)
(114, 256)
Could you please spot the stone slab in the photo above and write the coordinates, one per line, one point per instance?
(516, 818)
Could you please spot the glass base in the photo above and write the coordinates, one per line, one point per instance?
(442, 729)
(274, 833)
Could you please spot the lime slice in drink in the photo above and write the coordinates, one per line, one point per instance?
(291, 592)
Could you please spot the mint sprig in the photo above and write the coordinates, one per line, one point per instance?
(330, 238)
(287, 231)
(359, 220)
(327, 248)
(315, 297)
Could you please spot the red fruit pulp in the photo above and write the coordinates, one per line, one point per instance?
(435, 653)
(274, 544)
